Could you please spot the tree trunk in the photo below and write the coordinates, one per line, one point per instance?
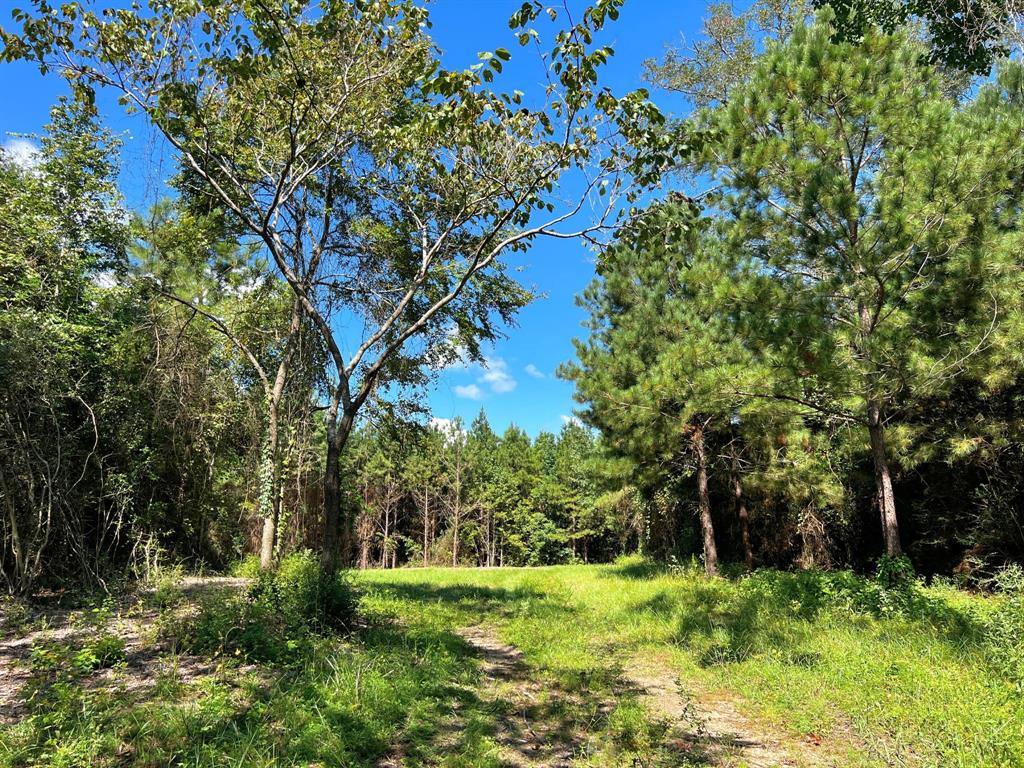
(364, 554)
(486, 560)
(20, 570)
(741, 509)
(455, 536)
(433, 526)
(492, 535)
(330, 556)
(384, 544)
(337, 539)
(270, 496)
(704, 504)
(883, 481)
(426, 525)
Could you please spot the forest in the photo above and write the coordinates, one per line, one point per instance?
(798, 437)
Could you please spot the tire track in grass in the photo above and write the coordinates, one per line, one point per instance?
(527, 729)
(715, 729)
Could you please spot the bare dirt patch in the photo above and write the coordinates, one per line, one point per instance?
(712, 726)
(146, 658)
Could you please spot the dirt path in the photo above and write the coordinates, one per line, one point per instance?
(530, 722)
(528, 729)
(713, 728)
(708, 729)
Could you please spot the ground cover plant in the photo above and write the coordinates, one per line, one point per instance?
(554, 665)
(880, 673)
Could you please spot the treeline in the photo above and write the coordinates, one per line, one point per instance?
(448, 494)
(825, 334)
(160, 404)
(343, 219)
(807, 352)
(133, 426)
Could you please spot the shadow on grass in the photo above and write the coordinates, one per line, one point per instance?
(773, 612)
(342, 701)
(461, 594)
(474, 603)
(549, 717)
(640, 569)
(344, 704)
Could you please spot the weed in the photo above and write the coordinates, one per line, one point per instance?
(885, 670)
(248, 568)
(1005, 626)
(907, 669)
(104, 651)
(167, 592)
(276, 619)
(15, 615)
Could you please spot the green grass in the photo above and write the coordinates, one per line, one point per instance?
(815, 654)
(339, 704)
(901, 677)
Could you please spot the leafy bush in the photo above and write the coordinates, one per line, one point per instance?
(894, 590)
(60, 730)
(247, 568)
(54, 662)
(278, 616)
(895, 572)
(100, 653)
(304, 595)
(896, 587)
(1004, 627)
(14, 614)
(723, 621)
(167, 591)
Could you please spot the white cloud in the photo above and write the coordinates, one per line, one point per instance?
(494, 376)
(497, 376)
(446, 427)
(468, 391)
(533, 370)
(21, 152)
(566, 419)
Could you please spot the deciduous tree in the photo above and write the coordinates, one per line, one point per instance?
(337, 142)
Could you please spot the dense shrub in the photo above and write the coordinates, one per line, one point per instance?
(247, 568)
(304, 595)
(277, 617)
(1004, 627)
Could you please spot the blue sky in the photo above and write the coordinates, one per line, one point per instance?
(520, 386)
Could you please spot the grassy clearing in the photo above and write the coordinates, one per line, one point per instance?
(229, 678)
(882, 677)
(878, 676)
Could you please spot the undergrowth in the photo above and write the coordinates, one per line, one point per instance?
(883, 669)
(277, 619)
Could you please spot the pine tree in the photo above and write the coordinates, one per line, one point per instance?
(848, 178)
(659, 370)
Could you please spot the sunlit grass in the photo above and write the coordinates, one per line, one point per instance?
(880, 679)
(889, 687)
